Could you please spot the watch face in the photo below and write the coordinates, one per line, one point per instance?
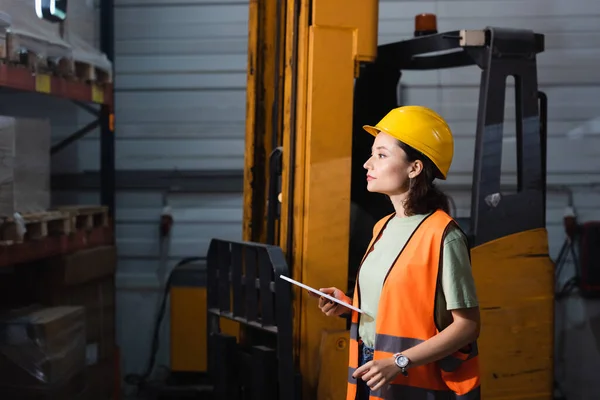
(402, 361)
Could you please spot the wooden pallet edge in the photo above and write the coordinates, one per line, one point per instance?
(89, 73)
(35, 226)
(11, 52)
(86, 216)
(27, 58)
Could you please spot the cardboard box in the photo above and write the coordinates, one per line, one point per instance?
(41, 348)
(24, 165)
(84, 278)
(79, 268)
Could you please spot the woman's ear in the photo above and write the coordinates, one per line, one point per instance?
(415, 168)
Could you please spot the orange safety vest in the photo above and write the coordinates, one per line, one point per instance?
(406, 318)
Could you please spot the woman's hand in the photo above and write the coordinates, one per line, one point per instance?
(329, 307)
(377, 372)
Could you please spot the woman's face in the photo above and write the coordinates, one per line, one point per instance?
(388, 170)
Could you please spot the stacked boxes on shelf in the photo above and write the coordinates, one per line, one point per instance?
(66, 49)
(82, 279)
(57, 336)
(81, 33)
(25, 182)
(24, 165)
(31, 41)
(42, 352)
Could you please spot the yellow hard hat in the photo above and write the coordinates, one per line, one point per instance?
(422, 129)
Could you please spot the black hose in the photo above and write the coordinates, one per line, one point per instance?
(141, 380)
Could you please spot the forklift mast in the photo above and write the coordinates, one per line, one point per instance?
(315, 76)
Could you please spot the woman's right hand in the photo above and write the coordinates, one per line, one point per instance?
(330, 308)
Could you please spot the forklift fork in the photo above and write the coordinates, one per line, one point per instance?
(244, 286)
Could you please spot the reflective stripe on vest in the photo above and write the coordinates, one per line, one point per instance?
(403, 322)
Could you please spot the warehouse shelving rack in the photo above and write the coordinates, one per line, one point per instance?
(81, 93)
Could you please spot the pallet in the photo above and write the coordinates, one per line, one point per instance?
(37, 225)
(86, 217)
(89, 73)
(17, 53)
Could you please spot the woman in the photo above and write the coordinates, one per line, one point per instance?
(417, 336)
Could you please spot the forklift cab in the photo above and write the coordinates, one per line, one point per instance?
(243, 277)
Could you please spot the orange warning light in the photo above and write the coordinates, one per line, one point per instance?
(425, 24)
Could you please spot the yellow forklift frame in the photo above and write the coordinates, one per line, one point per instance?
(307, 97)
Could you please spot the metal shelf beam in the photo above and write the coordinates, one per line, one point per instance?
(51, 246)
(21, 78)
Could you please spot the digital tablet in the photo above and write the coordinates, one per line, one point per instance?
(321, 294)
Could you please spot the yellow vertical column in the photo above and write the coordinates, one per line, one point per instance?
(341, 34)
(252, 84)
(263, 106)
(327, 165)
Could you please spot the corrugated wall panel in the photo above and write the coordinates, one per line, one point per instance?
(180, 81)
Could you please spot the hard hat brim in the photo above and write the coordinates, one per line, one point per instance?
(371, 129)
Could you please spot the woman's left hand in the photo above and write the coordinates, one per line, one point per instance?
(377, 372)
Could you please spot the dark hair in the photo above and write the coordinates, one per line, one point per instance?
(424, 196)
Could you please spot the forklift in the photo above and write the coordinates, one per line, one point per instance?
(314, 68)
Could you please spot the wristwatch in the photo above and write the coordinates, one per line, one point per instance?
(401, 362)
